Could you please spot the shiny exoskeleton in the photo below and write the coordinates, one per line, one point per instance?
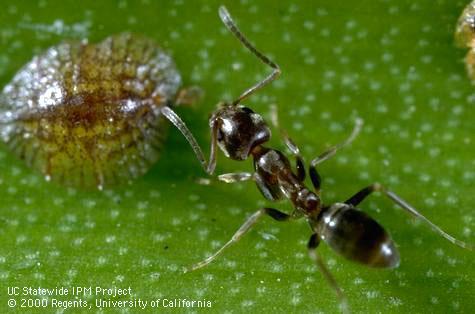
(242, 134)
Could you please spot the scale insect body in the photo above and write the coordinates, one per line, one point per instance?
(465, 37)
(242, 133)
(92, 115)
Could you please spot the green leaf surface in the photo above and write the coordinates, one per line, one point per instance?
(391, 62)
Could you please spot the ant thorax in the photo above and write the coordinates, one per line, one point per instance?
(275, 179)
(239, 130)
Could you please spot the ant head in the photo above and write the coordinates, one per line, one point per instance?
(238, 130)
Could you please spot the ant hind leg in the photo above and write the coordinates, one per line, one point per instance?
(248, 224)
(312, 251)
(376, 187)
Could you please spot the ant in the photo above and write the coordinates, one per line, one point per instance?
(241, 133)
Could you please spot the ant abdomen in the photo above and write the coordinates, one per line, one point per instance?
(356, 236)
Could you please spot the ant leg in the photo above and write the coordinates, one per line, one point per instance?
(289, 143)
(188, 96)
(332, 150)
(314, 175)
(376, 187)
(235, 177)
(312, 251)
(250, 222)
(181, 126)
(227, 178)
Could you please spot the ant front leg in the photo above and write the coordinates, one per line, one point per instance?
(312, 251)
(235, 177)
(289, 143)
(376, 187)
(227, 178)
(314, 175)
(250, 222)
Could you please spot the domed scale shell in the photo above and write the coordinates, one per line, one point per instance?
(465, 37)
(465, 29)
(88, 114)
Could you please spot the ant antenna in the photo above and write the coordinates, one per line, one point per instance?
(228, 21)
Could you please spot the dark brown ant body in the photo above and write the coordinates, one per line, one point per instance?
(241, 133)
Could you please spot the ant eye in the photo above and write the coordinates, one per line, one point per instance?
(247, 110)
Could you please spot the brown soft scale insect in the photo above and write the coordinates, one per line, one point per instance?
(465, 37)
(241, 133)
(92, 114)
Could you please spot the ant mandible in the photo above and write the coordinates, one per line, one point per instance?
(240, 133)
